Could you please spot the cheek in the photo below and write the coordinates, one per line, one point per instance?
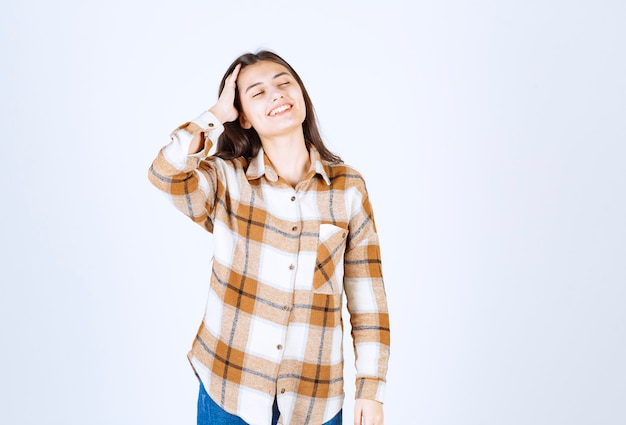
(252, 107)
(247, 110)
(253, 114)
(300, 98)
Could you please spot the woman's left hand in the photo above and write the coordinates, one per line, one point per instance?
(368, 412)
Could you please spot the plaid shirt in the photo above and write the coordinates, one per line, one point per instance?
(283, 257)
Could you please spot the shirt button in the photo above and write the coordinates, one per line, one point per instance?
(211, 125)
(294, 228)
(291, 267)
(282, 391)
(279, 347)
(285, 307)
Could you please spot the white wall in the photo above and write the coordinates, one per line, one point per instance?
(492, 136)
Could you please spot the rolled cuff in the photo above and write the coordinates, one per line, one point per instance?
(177, 151)
(370, 389)
(209, 122)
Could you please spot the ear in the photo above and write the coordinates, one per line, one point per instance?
(243, 122)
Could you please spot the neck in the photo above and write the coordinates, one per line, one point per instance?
(289, 156)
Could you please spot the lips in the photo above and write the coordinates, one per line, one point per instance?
(279, 109)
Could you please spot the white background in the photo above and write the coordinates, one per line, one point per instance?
(492, 137)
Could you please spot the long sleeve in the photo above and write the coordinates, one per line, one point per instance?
(190, 183)
(366, 300)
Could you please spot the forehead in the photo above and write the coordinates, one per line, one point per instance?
(260, 72)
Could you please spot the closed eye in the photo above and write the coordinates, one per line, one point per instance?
(257, 94)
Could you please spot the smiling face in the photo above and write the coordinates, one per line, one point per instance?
(271, 100)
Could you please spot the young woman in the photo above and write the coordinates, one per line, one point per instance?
(293, 229)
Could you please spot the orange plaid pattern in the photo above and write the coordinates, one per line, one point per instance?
(283, 258)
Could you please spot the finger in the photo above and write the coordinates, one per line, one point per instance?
(236, 71)
(232, 79)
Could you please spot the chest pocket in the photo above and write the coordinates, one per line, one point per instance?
(328, 274)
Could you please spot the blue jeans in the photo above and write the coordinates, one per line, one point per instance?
(209, 413)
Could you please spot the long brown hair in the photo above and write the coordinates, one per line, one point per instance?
(237, 141)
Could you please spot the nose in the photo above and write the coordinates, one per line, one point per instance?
(277, 94)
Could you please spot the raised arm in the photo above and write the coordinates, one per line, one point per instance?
(178, 169)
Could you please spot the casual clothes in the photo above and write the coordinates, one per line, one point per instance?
(209, 413)
(283, 257)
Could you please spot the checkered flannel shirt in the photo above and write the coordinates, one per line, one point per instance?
(282, 259)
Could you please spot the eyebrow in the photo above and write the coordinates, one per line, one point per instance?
(280, 74)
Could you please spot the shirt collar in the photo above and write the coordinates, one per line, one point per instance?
(260, 165)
